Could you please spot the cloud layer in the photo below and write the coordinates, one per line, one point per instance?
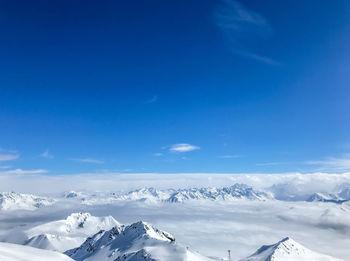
(333, 163)
(183, 147)
(46, 155)
(89, 160)
(8, 156)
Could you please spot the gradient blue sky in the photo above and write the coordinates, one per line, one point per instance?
(113, 86)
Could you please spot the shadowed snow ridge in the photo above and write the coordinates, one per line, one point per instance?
(138, 241)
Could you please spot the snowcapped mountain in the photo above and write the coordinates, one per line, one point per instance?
(147, 194)
(74, 194)
(14, 252)
(136, 242)
(287, 250)
(65, 234)
(97, 198)
(235, 192)
(341, 196)
(15, 201)
(153, 195)
(326, 197)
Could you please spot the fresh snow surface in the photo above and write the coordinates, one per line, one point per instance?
(136, 242)
(13, 252)
(65, 234)
(287, 250)
(15, 201)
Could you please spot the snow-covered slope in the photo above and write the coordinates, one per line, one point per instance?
(65, 234)
(15, 201)
(136, 242)
(13, 252)
(287, 250)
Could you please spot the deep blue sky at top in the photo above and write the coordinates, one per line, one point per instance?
(257, 85)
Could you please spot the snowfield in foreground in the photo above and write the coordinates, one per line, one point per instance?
(13, 252)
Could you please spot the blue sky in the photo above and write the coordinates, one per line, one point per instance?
(174, 86)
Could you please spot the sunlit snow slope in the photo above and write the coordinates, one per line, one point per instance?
(66, 234)
(13, 252)
(287, 250)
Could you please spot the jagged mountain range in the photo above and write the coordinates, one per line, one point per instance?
(339, 197)
(283, 192)
(235, 192)
(15, 201)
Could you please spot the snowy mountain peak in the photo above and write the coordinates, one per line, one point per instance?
(287, 249)
(62, 235)
(73, 194)
(136, 242)
(234, 192)
(15, 201)
(145, 194)
(77, 220)
(143, 229)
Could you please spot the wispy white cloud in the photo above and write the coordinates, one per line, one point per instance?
(183, 147)
(5, 167)
(22, 171)
(273, 163)
(234, 16)
(89, 160)
(157, 154)
(333, 163)
(241, 27)
(8, 155)
(46, 155)
(232, 156)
